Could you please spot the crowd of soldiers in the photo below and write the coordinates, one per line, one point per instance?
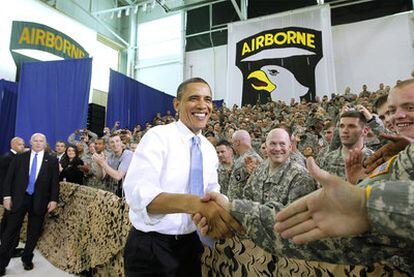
(341, 134)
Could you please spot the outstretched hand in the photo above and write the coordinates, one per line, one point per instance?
(337, 209)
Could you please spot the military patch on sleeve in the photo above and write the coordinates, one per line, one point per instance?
(383, 168)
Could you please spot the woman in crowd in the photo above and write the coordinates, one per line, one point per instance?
(69, 166)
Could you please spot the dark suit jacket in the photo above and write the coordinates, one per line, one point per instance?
(46, 186)
(5, 162)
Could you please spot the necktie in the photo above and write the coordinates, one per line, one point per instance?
(32, 176)
(196, 179)
(196, 168)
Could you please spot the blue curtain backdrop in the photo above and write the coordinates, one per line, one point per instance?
(8, 104)
(131, 102)
(53, 98)
(218, 103)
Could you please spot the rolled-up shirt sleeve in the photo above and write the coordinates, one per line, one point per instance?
(142, 181)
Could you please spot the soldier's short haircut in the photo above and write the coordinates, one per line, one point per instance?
(182, 86)
(355, 114)
(224, 142)
(328, 125)
(380, 101)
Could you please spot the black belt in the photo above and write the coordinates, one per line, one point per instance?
(167, 237)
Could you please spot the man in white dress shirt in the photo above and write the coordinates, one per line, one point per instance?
(158, 189)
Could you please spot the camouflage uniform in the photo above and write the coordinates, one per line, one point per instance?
(239, 174)
(377, 127)
(289, 182)
(90, 178)
(334, 163)
(298, 157)
(390, 210)
(309, 140)
(385, 199)
(224, 177)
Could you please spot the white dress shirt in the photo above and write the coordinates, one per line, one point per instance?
(161, 163)
(39, 161)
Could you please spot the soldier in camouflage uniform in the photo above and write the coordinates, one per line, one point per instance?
(242, 146)
(352, 130)
(258, 219)
(278, 178)
(225, 155)
(365, 250)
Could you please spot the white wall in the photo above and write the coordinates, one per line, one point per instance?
(165, 78)
(368, 52)
(211, 65)
(373, 51)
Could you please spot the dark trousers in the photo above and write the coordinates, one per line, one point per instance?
(11, 232)
(3, 224)
(155, 254)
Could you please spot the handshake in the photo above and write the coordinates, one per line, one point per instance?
(213, 218)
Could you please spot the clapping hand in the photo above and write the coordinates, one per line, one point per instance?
(354, 168)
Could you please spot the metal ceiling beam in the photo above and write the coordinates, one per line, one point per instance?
(195, 5)
(243, 6)
(344, 3)
(238, 10)
(112, 10)
(164, 6)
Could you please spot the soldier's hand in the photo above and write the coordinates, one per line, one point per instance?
(251, 164)
(368, 116)
(7, 203)
(51, 206)
(337, 209)
(354, 169)
(397, 143)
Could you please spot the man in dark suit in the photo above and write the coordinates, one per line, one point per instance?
(31, 186)
(16, 147)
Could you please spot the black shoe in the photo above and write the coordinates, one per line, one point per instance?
(2, 271)
(18, 252)
(28, 265)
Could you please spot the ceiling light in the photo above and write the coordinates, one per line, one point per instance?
(136, 9)
(119, 13)
(127, 12)
(112, 15)
(144, 8)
